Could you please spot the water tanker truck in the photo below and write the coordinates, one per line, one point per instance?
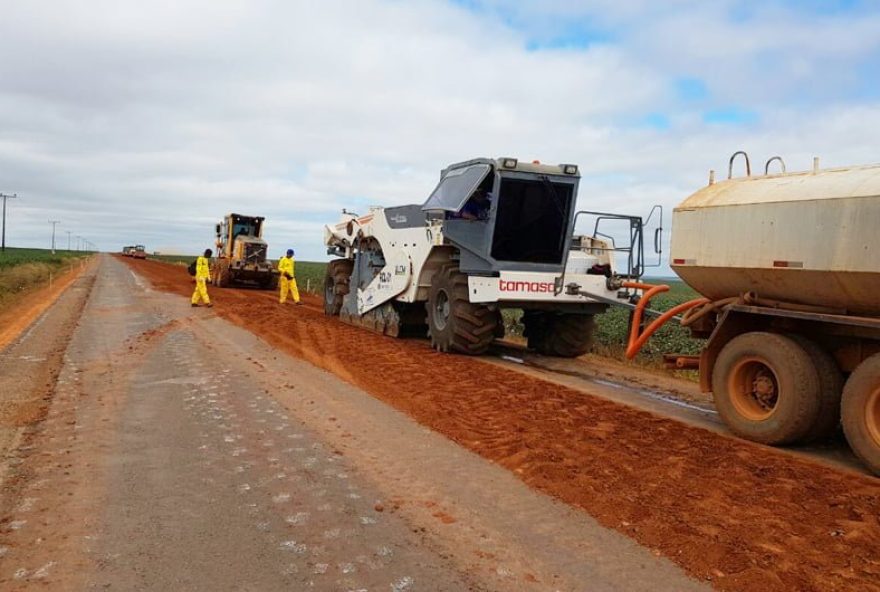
(788, 267)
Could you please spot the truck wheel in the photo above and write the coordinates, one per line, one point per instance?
(560, 335)
(860, 412)
(830, 388)
(454, 322)
(766, 388)
(221, 279)
(336, 285)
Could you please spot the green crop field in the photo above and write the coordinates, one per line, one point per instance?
(310, 276)
(175, 259)
(21, 269)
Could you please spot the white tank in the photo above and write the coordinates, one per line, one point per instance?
(810, 238)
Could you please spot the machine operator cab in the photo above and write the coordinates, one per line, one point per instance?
(240, 237)
(501, 213)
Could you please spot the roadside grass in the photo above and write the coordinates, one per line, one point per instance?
(22, 269)
(174, 259)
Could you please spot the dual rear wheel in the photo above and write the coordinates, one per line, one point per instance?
(779, 389)
(860, 412)
(767, 388)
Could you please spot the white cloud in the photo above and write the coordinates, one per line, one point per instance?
(136, 122)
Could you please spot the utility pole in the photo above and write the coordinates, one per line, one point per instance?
(3, 240)
(53, 223)
(78, 238)
(68, 240)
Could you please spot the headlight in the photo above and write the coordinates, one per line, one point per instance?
(570, 169)
(508, 163)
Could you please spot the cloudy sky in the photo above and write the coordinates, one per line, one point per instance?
(146, 121)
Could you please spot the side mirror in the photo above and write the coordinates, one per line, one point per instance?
(217, 229)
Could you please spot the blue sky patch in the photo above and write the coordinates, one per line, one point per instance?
(658, 121)
(691, 89)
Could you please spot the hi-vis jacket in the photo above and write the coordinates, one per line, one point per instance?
(285, 266)
(203, 271)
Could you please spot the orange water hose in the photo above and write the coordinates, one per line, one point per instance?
(636, 341)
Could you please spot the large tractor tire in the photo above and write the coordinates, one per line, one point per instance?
(336, 280)
(766, 388)
(560, 335)
(830, 389)
(222, 275)
(455, 324)
(860, 412)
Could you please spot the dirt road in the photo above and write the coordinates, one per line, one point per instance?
(179, 452)
(742, 516)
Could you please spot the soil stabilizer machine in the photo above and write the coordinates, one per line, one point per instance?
(242, 254)
(494, 234)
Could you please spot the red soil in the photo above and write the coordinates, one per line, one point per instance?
(744, 516)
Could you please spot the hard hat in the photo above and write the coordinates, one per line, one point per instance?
(290, 251)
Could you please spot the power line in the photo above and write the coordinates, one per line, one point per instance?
(5, 197)
(53, 223)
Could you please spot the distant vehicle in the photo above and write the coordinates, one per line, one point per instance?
(139, 252)
(127, 251)
(242, 253)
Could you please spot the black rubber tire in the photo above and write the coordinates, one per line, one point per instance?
(830, 389)
(222, 277)
(560, 335)
(336, 280)
(797, 385)
(860, 408)
(468, 328)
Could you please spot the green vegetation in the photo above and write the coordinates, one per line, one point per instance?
(175, 259)
(21, 269)
(310, 276)
(611, 334)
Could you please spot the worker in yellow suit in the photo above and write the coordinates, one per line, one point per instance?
(203, 273)
(287, 280)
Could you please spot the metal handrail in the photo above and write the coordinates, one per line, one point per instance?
(771, 159)
(730, 164)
